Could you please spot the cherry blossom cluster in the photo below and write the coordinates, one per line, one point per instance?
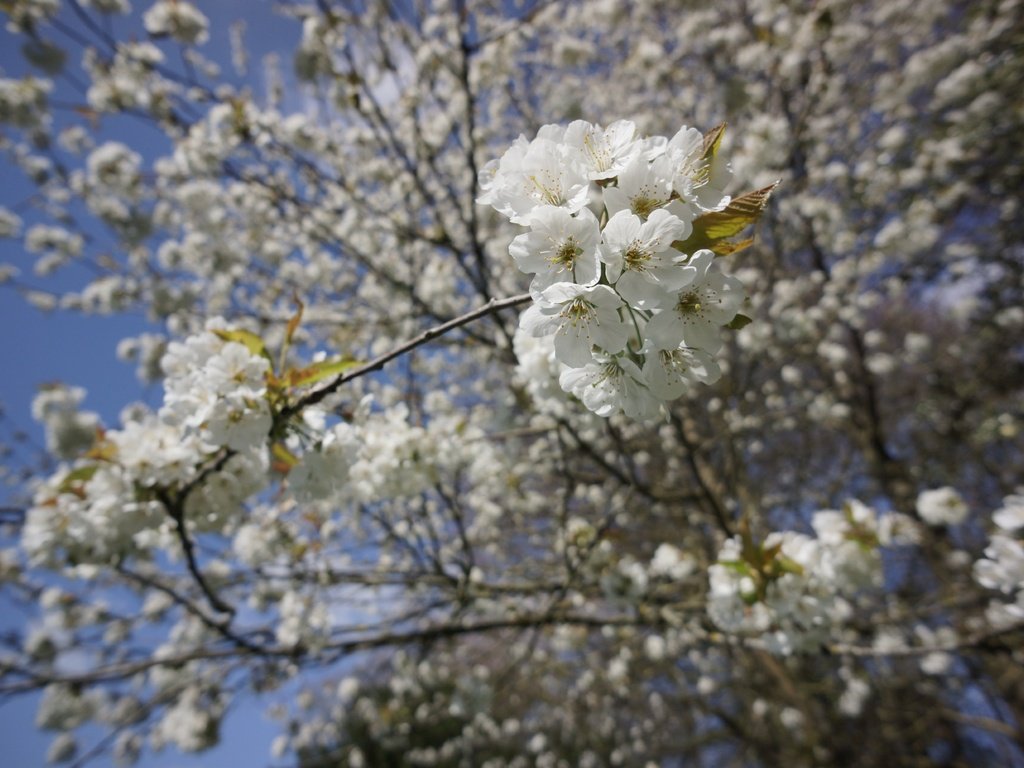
(106, 503)
(68, 430)
(633, 319)
(217, 389)
(178, 19)
(790, 590)
(1002, 568)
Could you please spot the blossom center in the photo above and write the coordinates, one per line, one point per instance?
(548, 189)
(578, 310)
(609, 372)
(689, 303)
(642, 206)
(636, 256)
(672, 361)
(700, 174)
(566, 254)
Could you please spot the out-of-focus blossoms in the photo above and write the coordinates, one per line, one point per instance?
(941, 506)
(217, 390)
(69, 431)
(635, 316)
(113, 499)
(791, 590)
(1002, 568)
(453, 531)
(178, 19)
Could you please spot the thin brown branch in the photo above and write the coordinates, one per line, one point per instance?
(332, 651)
(176, 509)
(379, 362)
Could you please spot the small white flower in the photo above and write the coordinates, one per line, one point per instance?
(936, 663)
(235, 370)
(668, 373)
(696, 314)
(1002, 567)
(609, 385)
(696, 180)
(178, 19)
(1011, 516)
(69, 431)
(559, 248)
(671, 562)
(239, 423)
(603, 152)
(114, 167)
(643, 187)
(640, 259)
(62, 749)
(538, 370)
(154, 452)
(191, 722)
(10, 223)
(851, 702)
(581, 317)
(533, 174)
(941, 506)
(323, 472)
(108, 6)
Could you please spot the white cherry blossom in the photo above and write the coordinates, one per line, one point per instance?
(640, 259)
(941, 506)
(669, 373)
(581, 318)
(604, 152)
(178, 19)
(645, 186)
(697, 313)
(609, 385)
(695, 179)
(1010, 516)
(534, 174)
(558, 248)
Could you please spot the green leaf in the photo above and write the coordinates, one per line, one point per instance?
(284, 460)
(859, 533)
(769, 553)
(750, 598)
(740, 321)
(293, 323)
(739, 214)
(250, 340)
(289, 334)
(101, 449)
(325, 369)
(788, 565)
(729, 247)
(76, 478)
(712, 142)
(712, 230)
(737, 566)
(751, 553)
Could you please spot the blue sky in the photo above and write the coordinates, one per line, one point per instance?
(38, 347)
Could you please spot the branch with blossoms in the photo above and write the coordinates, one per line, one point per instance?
(175, 500)
(569, 510)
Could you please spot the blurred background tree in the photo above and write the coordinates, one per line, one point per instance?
(491, 585)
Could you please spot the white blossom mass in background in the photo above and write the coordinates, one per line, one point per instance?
(522, 383)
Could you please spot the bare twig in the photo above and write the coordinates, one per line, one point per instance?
(494, 305)
(176, 509)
